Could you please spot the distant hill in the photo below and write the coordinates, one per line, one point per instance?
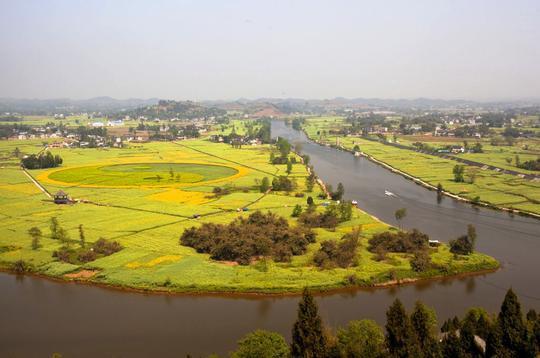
(261, 107)
(65, 105)
(166, 109)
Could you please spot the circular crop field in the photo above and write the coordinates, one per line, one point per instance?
(137, 174)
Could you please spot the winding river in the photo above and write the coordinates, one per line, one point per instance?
(40, 316)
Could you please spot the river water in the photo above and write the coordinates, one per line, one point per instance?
(40, 316)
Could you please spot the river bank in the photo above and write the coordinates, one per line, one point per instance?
(425, 184)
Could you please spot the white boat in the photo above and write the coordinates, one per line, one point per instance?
(389, 193)
(354, 202)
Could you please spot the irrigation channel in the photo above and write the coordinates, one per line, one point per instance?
(40, 316)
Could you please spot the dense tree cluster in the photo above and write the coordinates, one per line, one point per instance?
(405, 335)
(282, 183)
(247, 238)
(530, 164)
(83, 254)
(330, 218)
(401, 241)
(340, 253)
(42, 161)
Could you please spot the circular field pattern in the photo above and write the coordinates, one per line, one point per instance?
(142, 174)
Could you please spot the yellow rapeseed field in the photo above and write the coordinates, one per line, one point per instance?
(154, 262)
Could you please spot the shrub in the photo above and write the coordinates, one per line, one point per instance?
(20, 266)
(297, 211)
(342, 253)
(421, 261)
(105, 247)
(282, 183)
(461, 246)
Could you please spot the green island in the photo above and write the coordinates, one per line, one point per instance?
(132, 212)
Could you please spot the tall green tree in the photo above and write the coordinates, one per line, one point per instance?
(494, 345)
(467, 341)
(82, 238)
(451, 346)
(289, 166)
(265, 185)
(400, 215)
(308, 338)
(340, 191)
(361, 339)
(262, 344)
(35, 234)
(54, 226)
(310, 182)
(424, 324)
(514, 331)
(458, 171)
(471, 234)
(400, 336)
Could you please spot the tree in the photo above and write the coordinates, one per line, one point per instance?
(310, 202)
(35, 234)
(265, 185)
(513, 329)
(54, 228)
(471, 174)
(400, 337)
(306, 159)
(517, 161)
(451, 346)
(171, 173)
(421, 261)
(400, 214)
(471, 234)
(458, 173)
(289, 166)
(424, 324)
(494, 346)
(297, 211)
(82, 239)
(308, 339)
(63, 236)
(310, 182)
(361, 339)
(467, 341)
(338, 194)
(477, 148)
(17, 152)
(262, 344)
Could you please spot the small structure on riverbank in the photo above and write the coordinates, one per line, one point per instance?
(61, 197)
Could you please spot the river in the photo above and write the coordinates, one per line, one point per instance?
(40, 316)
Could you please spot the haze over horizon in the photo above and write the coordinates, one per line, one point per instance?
(482, 50)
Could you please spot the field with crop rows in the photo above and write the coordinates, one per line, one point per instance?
(489, 186)
(117, 202)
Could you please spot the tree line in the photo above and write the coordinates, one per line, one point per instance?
(42, 161)
(478, 334)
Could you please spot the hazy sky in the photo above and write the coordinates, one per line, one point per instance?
(468, 49)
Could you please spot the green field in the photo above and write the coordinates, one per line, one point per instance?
(147, 220)
(489, 186)
(140, 174)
